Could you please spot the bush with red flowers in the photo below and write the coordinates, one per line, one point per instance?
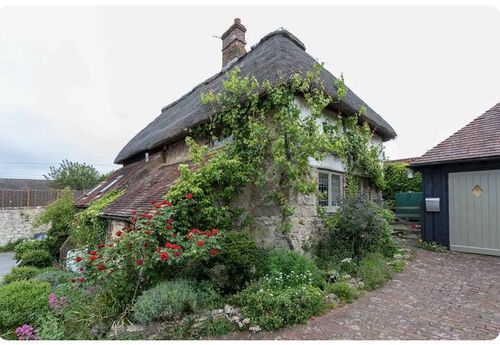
(156, 239)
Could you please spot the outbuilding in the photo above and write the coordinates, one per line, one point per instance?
(461, 186)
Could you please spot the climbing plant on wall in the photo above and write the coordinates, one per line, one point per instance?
(88, 227)
(272, 139)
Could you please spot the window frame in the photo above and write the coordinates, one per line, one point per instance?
(330, 173)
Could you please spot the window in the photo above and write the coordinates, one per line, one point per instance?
(330, 187)
(111, 184)
(218, 143)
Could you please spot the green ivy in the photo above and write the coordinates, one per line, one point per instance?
(271, 143)
(89, 228)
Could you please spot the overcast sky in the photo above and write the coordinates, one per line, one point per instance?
(79, 82)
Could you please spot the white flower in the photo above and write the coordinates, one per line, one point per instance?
(346, 260)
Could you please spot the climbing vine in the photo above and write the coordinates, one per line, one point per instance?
(88, 227)
(270, 137)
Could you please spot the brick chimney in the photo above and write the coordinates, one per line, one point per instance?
(233, 42)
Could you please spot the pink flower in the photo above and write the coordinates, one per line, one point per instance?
(189, 196)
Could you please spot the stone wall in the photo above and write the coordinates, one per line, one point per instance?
(15, 223)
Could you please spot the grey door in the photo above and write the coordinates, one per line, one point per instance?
(474, 205)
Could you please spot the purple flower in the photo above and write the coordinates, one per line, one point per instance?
(26, 332)
(57, 303)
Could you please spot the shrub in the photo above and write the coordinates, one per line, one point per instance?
(374, 271)
(343, 291)
(287, 264)
(50, 328)
(55, 277)
(239, 262)
(27, 245)
(397, 180)
(37, 258)
(166, 300)
(398, 265)
(21, 273)
(59, 214)
(22, 302)
(360, 226)
(10, 247)
(273, 308)
(89, 313)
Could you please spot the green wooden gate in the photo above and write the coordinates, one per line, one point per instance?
(408, 206)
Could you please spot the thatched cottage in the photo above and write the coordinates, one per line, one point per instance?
(150, 159)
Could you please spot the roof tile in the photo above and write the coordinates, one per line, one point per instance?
(479, 139)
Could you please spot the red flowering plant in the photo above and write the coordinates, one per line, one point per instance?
(161, 236)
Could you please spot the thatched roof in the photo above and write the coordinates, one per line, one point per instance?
(276, 57)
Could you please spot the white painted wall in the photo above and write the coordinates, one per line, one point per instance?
(331, 162)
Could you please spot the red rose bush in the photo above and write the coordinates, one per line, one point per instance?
(156, 239)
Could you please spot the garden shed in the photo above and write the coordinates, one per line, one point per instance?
(461, 186)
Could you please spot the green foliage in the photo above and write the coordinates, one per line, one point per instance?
(27, 245)
(166, 300)
(273, 139)
(90, 312)
(73, 175)
(239, 262)
(286, 295)
(374, 271)
(213, 185)
(397, 181)
(89, 228)
(50, 328)
(55, 277)
(398, 265)
(10, 247)
(273, 307)
(344, 291)
(434, 247)
(287, 264)
(59, 215)
(21, 273)
(359, 226)
(37, 258)
(22, 302)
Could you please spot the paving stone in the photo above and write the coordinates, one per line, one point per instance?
(439, 296)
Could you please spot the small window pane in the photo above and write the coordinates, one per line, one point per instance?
(336, 189)
(323, 189)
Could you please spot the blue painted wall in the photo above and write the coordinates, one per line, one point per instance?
(436, 225)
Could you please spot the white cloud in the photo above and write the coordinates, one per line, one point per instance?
(79, 82)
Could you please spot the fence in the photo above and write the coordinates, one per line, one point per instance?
(24, 198)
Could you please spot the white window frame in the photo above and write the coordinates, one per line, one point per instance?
(330, 207)
(220, 142)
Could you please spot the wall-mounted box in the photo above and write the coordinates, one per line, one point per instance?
(432, 205)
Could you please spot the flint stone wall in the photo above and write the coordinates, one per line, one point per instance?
(16, 223)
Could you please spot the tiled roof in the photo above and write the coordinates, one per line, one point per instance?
(479, 139)
(143, 182)
(23, 184)
(402, 160)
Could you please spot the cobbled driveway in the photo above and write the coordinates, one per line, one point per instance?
(439, 296)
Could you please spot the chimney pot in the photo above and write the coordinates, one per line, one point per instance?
(233, 42)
